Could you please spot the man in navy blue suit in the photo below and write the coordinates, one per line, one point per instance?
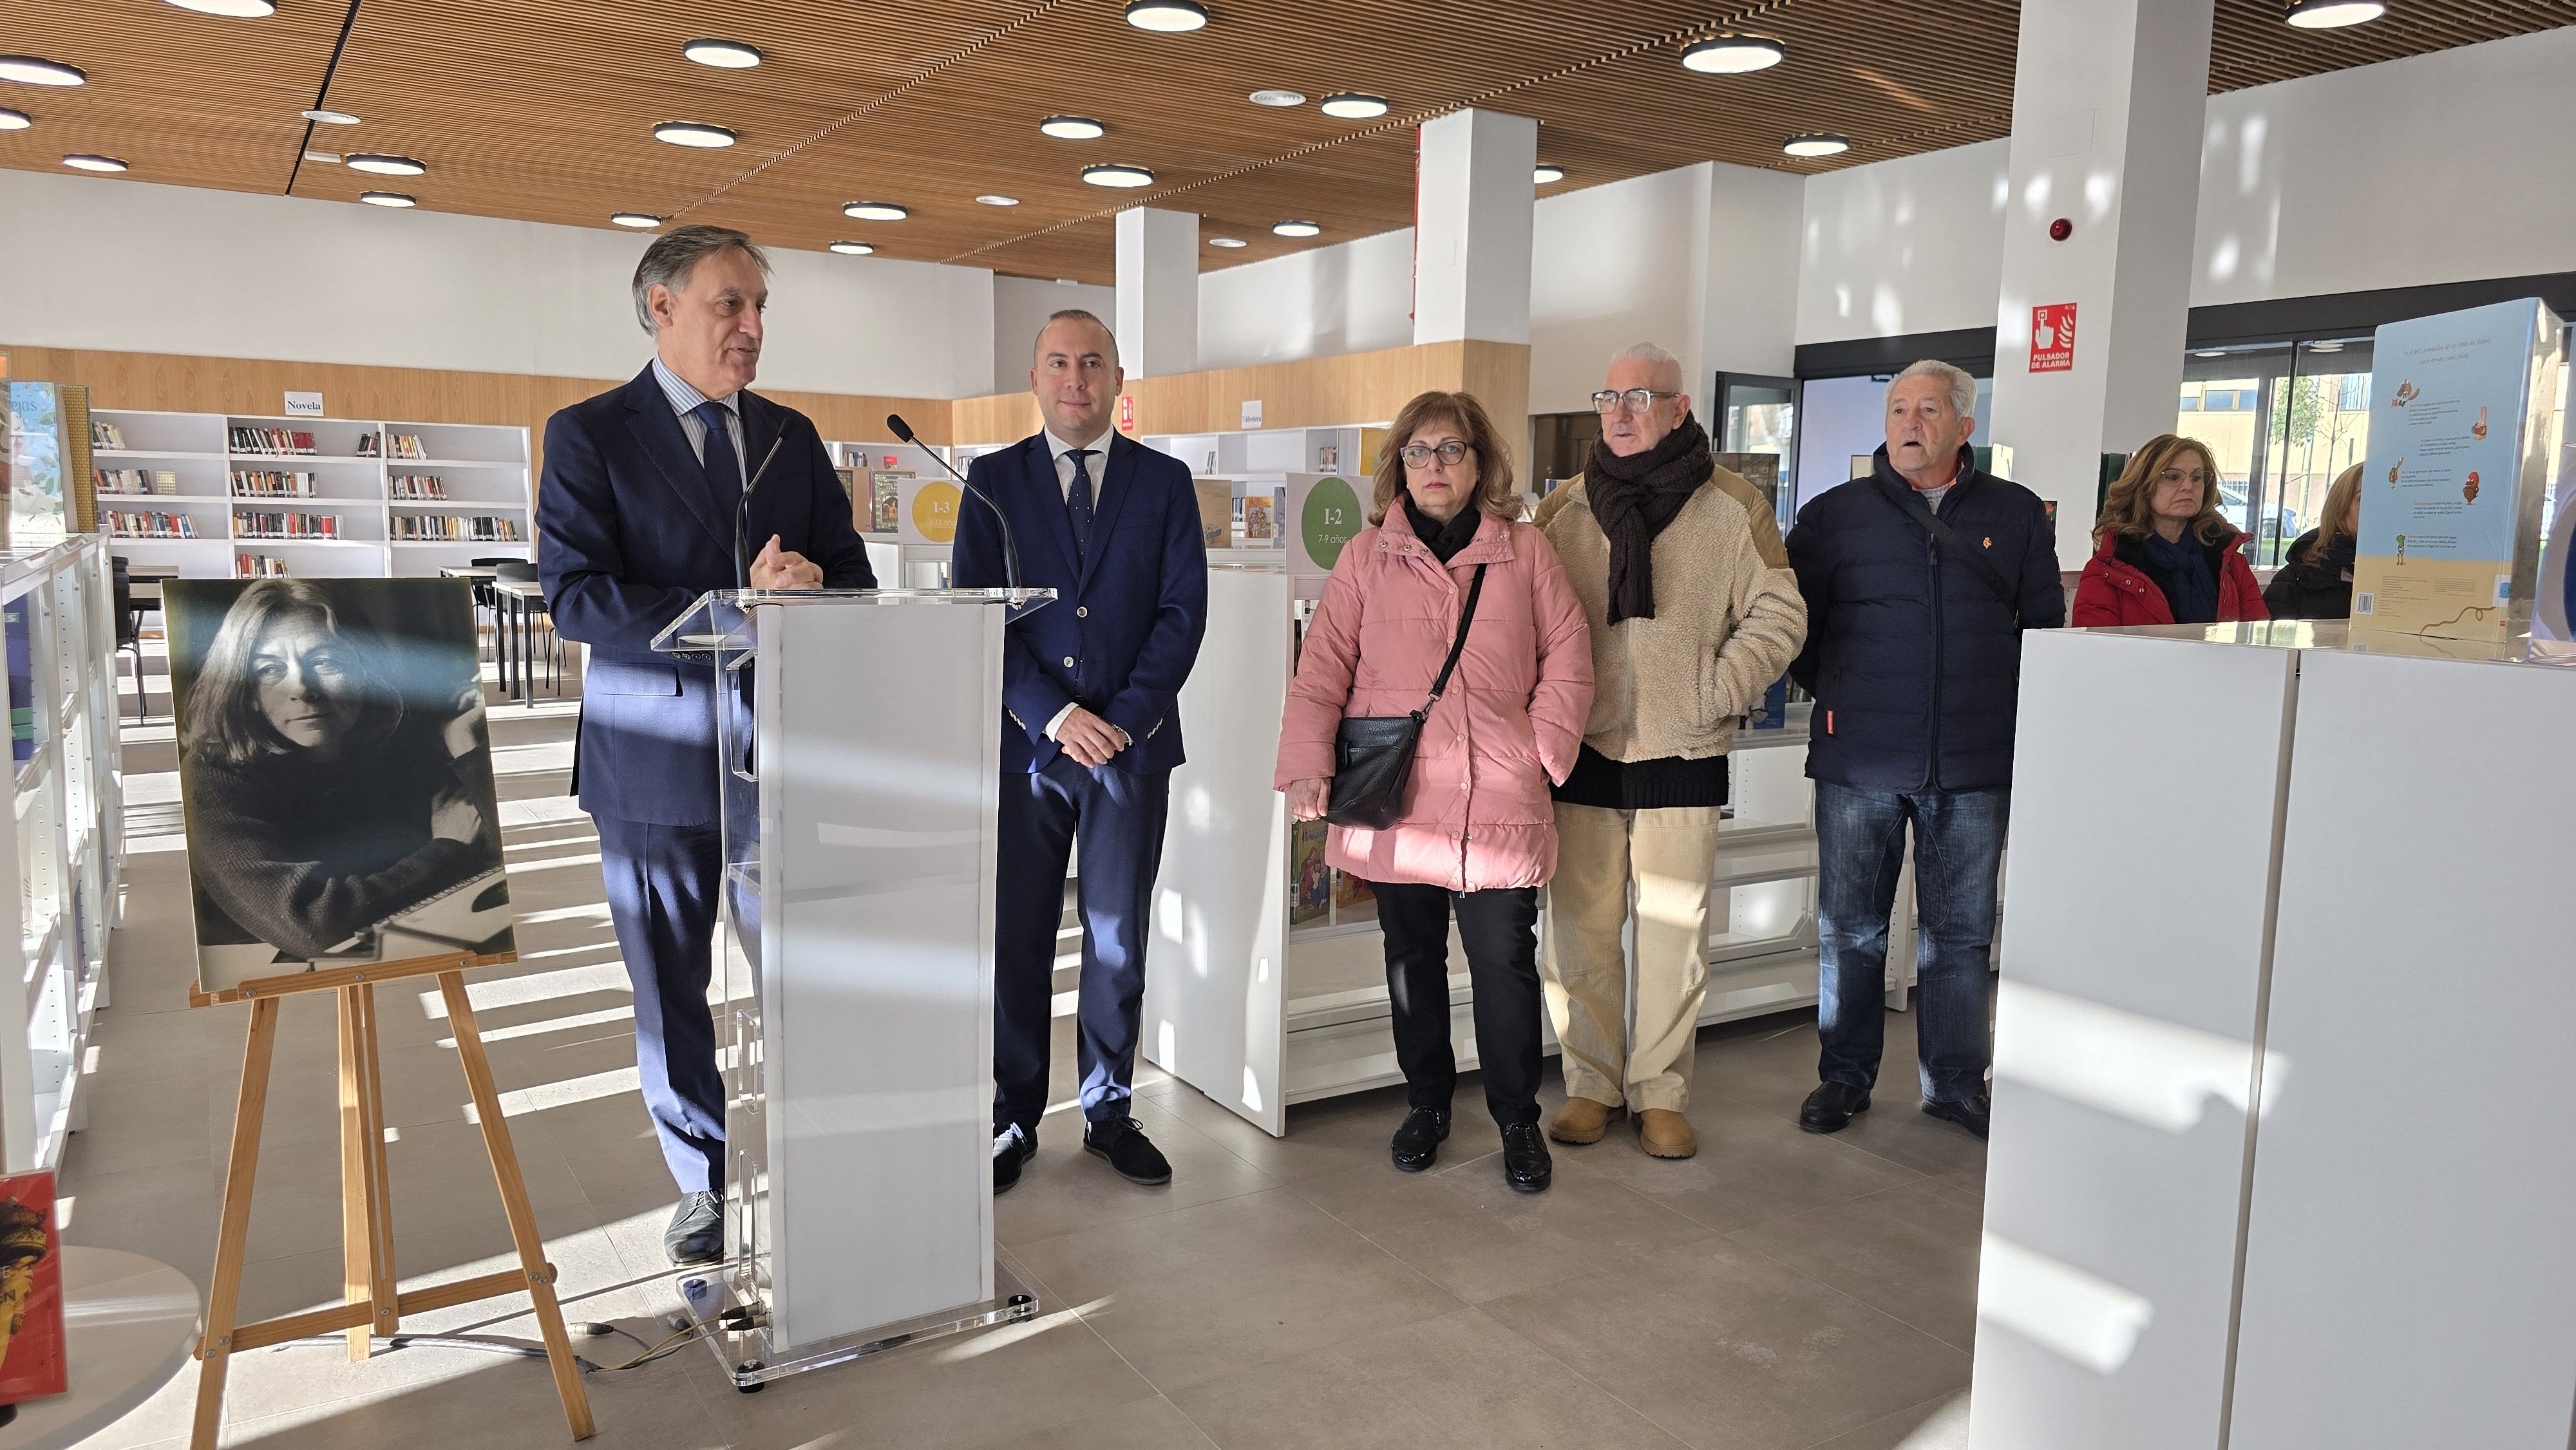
(1091, 729)
(636, 519)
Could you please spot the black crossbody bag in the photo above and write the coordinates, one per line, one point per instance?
(1373, 754)
(1975, 559)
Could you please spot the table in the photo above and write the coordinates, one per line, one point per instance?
(130, 1326)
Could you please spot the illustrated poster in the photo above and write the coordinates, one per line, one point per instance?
(32, 1359)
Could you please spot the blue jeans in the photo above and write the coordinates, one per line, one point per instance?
(1860, 846)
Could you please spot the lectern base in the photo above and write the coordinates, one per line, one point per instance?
(740, 1344)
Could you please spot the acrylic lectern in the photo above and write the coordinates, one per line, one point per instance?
(860, 746)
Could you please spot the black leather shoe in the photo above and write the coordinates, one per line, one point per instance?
(696, 1234)
(1012, 1147)
(1526, 1164)
(1131, 1154)
(1830, 1108)
(1417, 1143)
(1968, 1113)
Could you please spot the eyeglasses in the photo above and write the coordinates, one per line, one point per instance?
(1418, 455)
(1637, 399)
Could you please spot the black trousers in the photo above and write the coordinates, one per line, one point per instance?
(1500, 929)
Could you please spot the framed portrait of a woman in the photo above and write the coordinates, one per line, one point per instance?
(335, 773)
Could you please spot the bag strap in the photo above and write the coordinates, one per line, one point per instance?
(1466, 616)
(1975, 559)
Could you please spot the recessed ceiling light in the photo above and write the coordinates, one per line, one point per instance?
(693, 133)
(328, 158)
(2325, 347)
(383, 165)
(1229, 243)
(1295, 229)
(330, 118)
(1354, 106)
(640, 220)
(386, 198)
(1066, 282)
(83, 161)
(2211, 352)
(1167, 16)
(722, 54)
(875, 211)
(231, 9)
(1819, 144)
(1729, 55)
(852, 249)
(996, 199)
(2330, 14)
(1547, 175)
(35, 70)
(14, 120)
(1124, 177)
(1072, 128)
(1278, 98)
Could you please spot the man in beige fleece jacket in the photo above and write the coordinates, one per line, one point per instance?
(1694, 613)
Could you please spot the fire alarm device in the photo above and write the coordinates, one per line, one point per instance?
(2060, 229)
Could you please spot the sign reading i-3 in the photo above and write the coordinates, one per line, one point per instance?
(2052, 337)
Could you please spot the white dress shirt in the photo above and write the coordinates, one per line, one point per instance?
(1098, 466)
(685, 400)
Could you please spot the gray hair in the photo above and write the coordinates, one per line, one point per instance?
(1962, 388)
(674, 255)
(1076, 314)
(1644, 352)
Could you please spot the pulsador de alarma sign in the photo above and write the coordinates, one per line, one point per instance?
(2052, 337)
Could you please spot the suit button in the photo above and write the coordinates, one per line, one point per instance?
(1081, 611)
(1068, 662)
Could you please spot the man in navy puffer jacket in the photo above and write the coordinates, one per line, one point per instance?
(1914, 656)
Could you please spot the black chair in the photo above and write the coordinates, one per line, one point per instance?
(129, 627)
(487, 602)
(532, 617)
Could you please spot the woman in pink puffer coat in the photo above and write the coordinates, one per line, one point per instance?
(1478, 835)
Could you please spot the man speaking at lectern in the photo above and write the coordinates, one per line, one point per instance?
(643, 509)
(1091, 729)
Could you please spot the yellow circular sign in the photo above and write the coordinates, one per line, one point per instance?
(934, 510)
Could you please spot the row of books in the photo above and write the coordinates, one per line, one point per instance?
(258, 566)
(163, 481)
(269, 442)
(477, 528)
(270, 483)
(390, 445)
(147, 524)
(103, 434)
(417, 486)
(285, 526)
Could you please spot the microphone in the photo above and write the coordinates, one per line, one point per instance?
(1010, 550)
(742, 511)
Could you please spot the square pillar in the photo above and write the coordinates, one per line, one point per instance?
(1158, 291)
(1473, 213)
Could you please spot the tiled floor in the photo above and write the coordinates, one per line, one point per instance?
(1779, 1291)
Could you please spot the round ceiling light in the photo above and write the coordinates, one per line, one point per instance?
(991, 198)
(83, 161)
(1169, 17)
(1280, 98)
(386, 198)
(1819, 144)
(1229, 243)
(1546, 175)
(1733, 55)
(329, 118)
(1354, 106)
(640, 220)
(875, 211)
(14, 120)
(693, 133)
(722, 54)
(2211, 352)
(2325, 347)
(1125, 178)
(383, 165)
(2333, 14)
(231, 9)
(1072, 128)
(1295, 229)
(35, 70)
(852, 249)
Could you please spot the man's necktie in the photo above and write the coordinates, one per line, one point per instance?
(724, 467)
(1077, 501)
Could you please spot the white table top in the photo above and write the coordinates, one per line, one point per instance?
(130, 1325)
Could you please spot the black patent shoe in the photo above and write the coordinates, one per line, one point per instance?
(1131, 1154)
(1526, 1164)
(1831, 1107)
(1417, 1143)
(696, 1234)
(1968, 1113)
(1012, 1149)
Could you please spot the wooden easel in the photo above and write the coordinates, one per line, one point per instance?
(375, 1305)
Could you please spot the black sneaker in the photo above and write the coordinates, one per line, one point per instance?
(1526, 1164)
(1417, 1143)
(1831, 1107)
(1011, 1148)
(696, 1234)
(1968, 1113)
(1131, 1154)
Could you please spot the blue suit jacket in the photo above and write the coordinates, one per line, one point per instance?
(1126, 622)
(629, 533)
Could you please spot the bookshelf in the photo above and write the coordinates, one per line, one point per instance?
(217, 495)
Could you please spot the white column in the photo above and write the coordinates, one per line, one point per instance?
(2108, 97)
(1473, 212)
(1158, 291)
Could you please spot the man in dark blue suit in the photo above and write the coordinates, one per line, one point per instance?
(636, 519)
(1091, 729)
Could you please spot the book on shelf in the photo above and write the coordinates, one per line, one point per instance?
(285, 526)
(417, 487)
(443, 528)
(257, 566)
(1310, 881)
(103, 434)
(270, 442)
(270, 483)
(391, 445)
(138, 482)
(34, 1359)
(148, 524)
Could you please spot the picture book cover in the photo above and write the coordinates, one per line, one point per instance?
(1309, 880)
(885, 512)
(32, 1363)
(1352, 898)
(1257, 518)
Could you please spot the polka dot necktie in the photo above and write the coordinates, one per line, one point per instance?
(1077, 501)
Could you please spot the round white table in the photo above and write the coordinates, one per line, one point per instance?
(130, 1324)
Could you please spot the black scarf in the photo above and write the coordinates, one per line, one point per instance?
(1443, 540)
(1634, 498)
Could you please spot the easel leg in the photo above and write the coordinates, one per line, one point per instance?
(214, 1349)
(514, 1203)
(387, 1285)
(366, 1229)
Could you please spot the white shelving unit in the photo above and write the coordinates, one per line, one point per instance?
(482, 471)
(1257, 462)
(896, 563)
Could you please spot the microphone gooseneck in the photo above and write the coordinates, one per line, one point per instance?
(1010, 549)
(742, 512)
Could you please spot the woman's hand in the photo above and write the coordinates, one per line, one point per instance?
(1307, 798)
(464, 732)
(454, 818)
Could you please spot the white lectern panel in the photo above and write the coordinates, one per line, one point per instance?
(2410, 1272)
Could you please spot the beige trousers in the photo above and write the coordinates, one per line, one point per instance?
(1663, 859)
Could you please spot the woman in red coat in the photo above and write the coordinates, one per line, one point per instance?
(2162, 555)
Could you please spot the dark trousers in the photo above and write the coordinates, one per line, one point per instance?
(662, 884)
(1860, 848)
(1117, 817)
(1500, 929)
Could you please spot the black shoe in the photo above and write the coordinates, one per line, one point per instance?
(1011, 1147)
(696, 1234)
(1526, 1164)
(1131, 1155)
(1830, 1108)
(1418, 1142)
(1968, 1113)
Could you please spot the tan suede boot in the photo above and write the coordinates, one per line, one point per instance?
(1582, 1120)
(1664, 1133)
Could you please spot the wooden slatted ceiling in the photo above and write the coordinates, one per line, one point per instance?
(543, 109)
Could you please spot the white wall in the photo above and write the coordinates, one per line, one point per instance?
(1910, 245)
(1021, 306)
(1356, 296)
(136, 267)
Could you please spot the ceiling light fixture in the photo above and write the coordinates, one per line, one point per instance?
(1167, 17)
(722, 54)
(2325, 347)
(996, 199)
(14, 120)
(1229, 243)
(329, 118)
(1072, 128)
(1124, 177)
(35, 70)
(83, 161)
(1295, 229)
(327, 158)
(2211, 352)
(230, 9)
(1354, 106)
(1819, 144)
(852, 249)
(386, 198)
(1547, 175)
(640, 220)
(1278, 98)
(694, 133)
(2333, 14)
(875, 211)
(383, 165)
(1733, 55)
